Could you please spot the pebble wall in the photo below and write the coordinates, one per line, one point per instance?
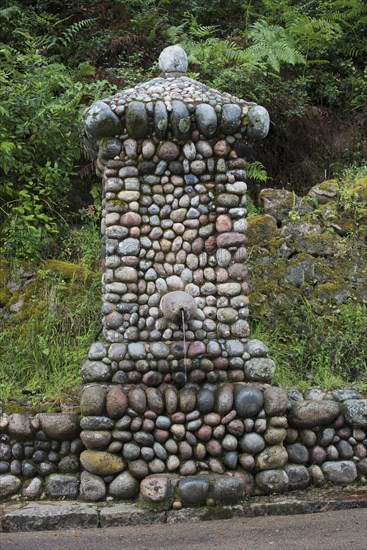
(177, 401)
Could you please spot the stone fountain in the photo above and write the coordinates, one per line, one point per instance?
(177, 363)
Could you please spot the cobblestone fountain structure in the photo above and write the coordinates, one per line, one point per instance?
(176, 365)
(177, 406)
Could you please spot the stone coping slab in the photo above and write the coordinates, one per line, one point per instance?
(56, 515)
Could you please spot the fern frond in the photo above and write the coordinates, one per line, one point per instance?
(256, 171)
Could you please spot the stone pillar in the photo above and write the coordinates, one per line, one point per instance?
(172, 157)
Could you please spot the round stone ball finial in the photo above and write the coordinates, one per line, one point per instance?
(173, 60)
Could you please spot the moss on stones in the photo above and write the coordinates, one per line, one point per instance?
(261, 229)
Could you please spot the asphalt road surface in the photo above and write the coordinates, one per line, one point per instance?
(341, 530)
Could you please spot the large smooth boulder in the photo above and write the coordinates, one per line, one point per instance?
(308, 414)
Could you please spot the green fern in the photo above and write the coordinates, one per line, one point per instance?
(274, 45)
(256, 171)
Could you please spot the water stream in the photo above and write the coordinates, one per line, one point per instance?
(184, 342)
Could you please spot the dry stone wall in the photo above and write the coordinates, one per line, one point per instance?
(216, 448)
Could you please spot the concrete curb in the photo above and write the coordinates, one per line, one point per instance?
(57, 515)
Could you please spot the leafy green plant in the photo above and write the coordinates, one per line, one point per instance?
(59, 322)
(310, 349)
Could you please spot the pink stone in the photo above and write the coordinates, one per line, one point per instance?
(360, 451)
(178, 418)
(185, 450)
(223, 223)
(134, 232)
(212, 419)
(214, 448)
(226, 240)
(216, 466)
(197, 376)
(130, 261)
(236, 427)
(156, 488)
(161, 435)
(204, 433)
(116, 403)
(197, 246)
(228, 417)
(113, 320)
(168, 151)
(196, 348)
(317, 455)
(236, 375)
(131, 219)
(188, 468)
(148, 425)
(222, 275)
(198, 276)
(210, 243)
(221, 148)
(247, 462)
(292, 435)
(181, 257)
(247, 480)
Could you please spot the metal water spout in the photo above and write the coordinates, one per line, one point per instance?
(176, 303)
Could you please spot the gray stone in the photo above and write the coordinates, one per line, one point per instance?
(193, 492)
(252, 443)
(205, 401)
(124, 486)
(259, 122)
(173, 303)
(92, 487)
(206, 119)
(180, 120)
(96, 423)
(298, 453)
(231, 118)
(345, 449)
(160, 121)
(93, 400)
(131, 451)
(248, 401)
(272, 457)
(325, 436)
(60, 425)
(260, 369)
(95, 371)
(137, 399)
(275, 401)
(308, 414)
(9, 485)
(298, 475)
(342, 471)
(227, 490)
(173, 60)
(256, 348)
(94, 439)
(99, 121)
(129, 247)
(230, 459)
(62, 485)
(355, 412)
(97, 351)
(136, 350)
(159, 349)
(224, 399)
(343, 395)
(137, 122)
(34, 489)
(272, 481)
(19, 426)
